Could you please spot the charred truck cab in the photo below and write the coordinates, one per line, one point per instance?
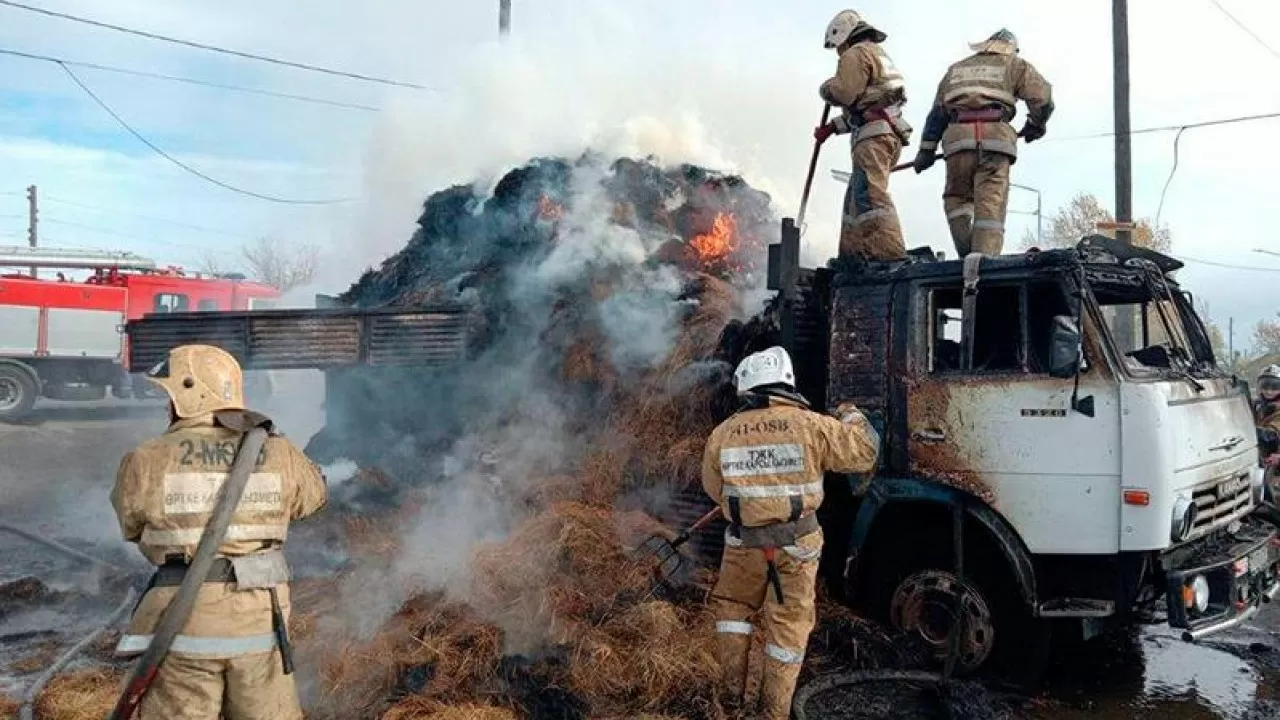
(1039, 463)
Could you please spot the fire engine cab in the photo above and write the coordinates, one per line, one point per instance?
(63, 339)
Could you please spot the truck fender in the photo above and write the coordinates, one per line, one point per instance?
(887, 491)
(25, 368)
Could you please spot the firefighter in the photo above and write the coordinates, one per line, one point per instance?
(870, 92)
(972, 115)
(227, 661)
(1266, 415)
(764, 467)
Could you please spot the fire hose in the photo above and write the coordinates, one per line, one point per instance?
(179, 610)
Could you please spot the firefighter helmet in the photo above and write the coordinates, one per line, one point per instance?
(200, 379)
(767, 367)
(846, 24)
(1269, 379)
(1002, 41)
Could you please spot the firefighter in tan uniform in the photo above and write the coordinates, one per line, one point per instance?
(226, 662)
(870, 92)
(764, 467)
(1266, 416)
(971, 116)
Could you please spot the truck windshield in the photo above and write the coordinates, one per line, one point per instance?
(1167, 334)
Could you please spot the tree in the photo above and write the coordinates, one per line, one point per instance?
(1266, 337)
(1081, 216)
(279, 264)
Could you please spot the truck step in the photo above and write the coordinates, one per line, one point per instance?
(1076, 607)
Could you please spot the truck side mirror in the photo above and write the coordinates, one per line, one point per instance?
(1064, 348)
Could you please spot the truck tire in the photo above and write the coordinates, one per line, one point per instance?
(18, 391)
(915, 590)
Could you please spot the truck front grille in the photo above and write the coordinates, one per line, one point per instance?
(1221, 501)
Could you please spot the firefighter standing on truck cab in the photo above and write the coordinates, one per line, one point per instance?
(870, 92)
(971, 116)
(764, 467)
(226, 662)
(1266, 416)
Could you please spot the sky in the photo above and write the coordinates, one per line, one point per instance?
(729, 83)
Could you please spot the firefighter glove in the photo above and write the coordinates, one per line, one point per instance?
(822, 132)
(924, 160)
(1032, 132)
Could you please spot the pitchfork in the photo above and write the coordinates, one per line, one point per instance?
(670, 561)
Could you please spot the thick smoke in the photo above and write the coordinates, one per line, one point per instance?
(577, 277)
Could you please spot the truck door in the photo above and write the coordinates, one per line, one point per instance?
(1001, 427)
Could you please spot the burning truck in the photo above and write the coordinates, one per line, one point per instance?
(1035, 469)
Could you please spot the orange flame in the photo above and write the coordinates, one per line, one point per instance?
(717, 243)
(549, 209)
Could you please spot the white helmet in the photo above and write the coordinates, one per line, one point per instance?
(1270, 371)
(767, 367)
(844, 25)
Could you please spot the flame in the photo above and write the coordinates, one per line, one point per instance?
(717, 243)
(549, 209)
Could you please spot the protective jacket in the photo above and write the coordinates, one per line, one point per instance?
(977, 100)
(764, 467)
(165, 492)
(870, 91)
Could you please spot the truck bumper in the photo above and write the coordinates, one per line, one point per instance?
(1241, 571)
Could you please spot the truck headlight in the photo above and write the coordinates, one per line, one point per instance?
(1196, 595)
(1184, 518)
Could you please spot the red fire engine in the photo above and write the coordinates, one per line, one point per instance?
(63, 339)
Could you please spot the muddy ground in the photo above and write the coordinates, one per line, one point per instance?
(57, 469)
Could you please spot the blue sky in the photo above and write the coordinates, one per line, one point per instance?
(729, 82)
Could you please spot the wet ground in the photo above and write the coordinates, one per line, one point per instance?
(56, 473)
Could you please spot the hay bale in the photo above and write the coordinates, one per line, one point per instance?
(9, 707)
(83, 695)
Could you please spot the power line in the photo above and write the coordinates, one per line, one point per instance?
(213, 48)
(1167, 128)
(189, 81)
(1245, 28)
(178, 223)
(156, 149)
(1160, 208)
(1229, 266)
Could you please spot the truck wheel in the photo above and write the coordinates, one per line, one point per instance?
(999, 636)
(18, 392)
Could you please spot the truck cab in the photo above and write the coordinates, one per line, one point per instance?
(1059, 445)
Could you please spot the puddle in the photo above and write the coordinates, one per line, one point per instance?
(1152, 675)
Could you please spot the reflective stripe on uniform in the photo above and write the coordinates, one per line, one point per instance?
(730, 540)
(784, 655)
(962, 211)
(772, 491)
(875, 128)
(802, 554)
(190, 536)
(756, 460)
(988, 225)
(732, 627)
(195, 645)
(980, 91)
(1003, 147)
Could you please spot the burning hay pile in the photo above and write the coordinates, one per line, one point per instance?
(597, 295)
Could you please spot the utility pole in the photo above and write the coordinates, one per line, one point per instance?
(1124, 149)
(1231, 343)
(504, 17)
(32, 220)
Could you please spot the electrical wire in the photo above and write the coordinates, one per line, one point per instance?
(213, 48)
(1160, 208)
(1246, 29)
(156, 149)
(1228, 266)
(189, 81)
(153, 218)
(1165, 128)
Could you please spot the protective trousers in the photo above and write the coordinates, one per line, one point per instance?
(871, 229)
(976, 197)
(248, 687)
(742, 591)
